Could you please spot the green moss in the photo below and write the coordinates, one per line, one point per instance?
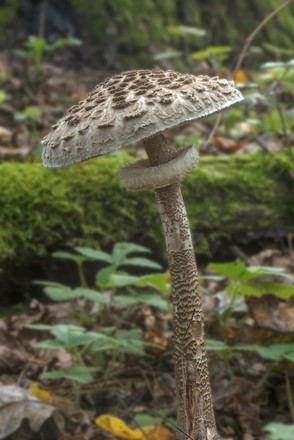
(86, 204)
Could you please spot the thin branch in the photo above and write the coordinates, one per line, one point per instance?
(242, 55)
(251, 37)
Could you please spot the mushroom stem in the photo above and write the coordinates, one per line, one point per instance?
(195, 416)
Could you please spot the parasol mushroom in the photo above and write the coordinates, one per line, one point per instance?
(138, 106)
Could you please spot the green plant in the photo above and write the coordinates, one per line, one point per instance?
(275, 80)
(278, 355)
(2, 97)
(37, 49)
(112, 277)
(215, 55)
(249, 281)
(120, 257)
(30, 116)
(78, 343)
(279, 431)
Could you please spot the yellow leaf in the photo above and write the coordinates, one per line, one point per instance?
(241, 77)
(40, 394)
(119, 428)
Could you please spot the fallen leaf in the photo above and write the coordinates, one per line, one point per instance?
(241, 77)
(226, 145)
(39, 393)
(5, 136)
(121, 430)
(25, 416)
(158, 340)
(11, 360)
(271, 313)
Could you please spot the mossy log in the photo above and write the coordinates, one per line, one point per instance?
(231, 196)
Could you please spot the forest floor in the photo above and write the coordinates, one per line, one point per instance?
(102, 367)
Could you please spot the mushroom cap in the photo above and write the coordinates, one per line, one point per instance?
(132, 106)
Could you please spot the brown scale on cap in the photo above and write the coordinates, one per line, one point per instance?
(130, 107)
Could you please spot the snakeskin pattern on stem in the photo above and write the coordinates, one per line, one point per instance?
(195, 416)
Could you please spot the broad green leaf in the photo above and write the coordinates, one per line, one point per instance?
(60, 293)
(186, 30)
(50, 284)
(219, 50)
(150, 299)
(92, 254)
(143, 262)
(154, 301)
(159, 281)
(289, 356)
(80, 374)
(233, 270)
(122, 249)
(126, 300)
(283, 291)
(212, 51)
(131, 341)
(68, 256)
(167, 55)
(279, 351)
(90, 294)
(44, 327)
(63, 42)
(279, 431)
(122, 280)
(50, 344)
(74, 339)
(145, 420)
(212, 344)
(273, 65)
(268, 270)
(212, 277)
(103, 277)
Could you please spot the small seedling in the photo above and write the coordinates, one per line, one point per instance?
(78, 342)
(37, 49)
(248, 281)
(279, 431)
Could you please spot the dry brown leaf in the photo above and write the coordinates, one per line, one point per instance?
(233, 397)
(10, 152)
(271, 313)
(159, 339)
(226, 145)
(5, 136)
(24, 414)
(11, 360)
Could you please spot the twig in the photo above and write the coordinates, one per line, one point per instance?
(42, 19)
(289, 394)
(241, 57)
(251, 37)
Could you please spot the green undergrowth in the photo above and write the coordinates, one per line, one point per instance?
(43, 210)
